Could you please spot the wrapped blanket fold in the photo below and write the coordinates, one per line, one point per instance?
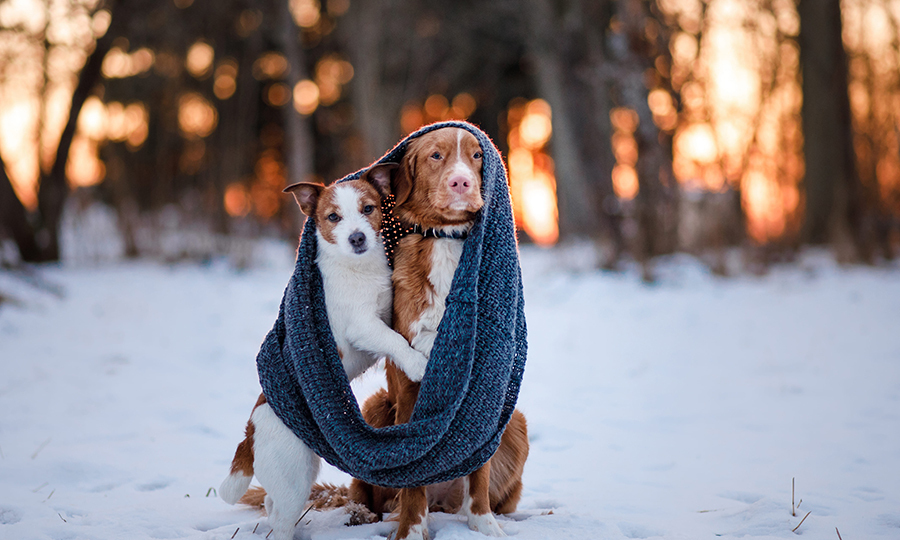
(472, 381)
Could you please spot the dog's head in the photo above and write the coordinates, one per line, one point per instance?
(347, 214)
(438, 182)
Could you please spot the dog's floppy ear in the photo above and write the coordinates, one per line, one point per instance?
(380, 177)
(402, 180)
(307, 195)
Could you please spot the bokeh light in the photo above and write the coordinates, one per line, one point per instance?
(306, 12)
(306, 97)
(199, 59)
(532, 181)
(119, 64)
(225, 79)
(196, 116)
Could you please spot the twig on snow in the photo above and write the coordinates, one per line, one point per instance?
(40, 487)
(211, 490)
(51, 494)
(235, 532)
(793, 512)
(801, 522)
(41, 447)
(254, 528)
(270, 532)
(62, 518)
(839, 533)
(308, 508)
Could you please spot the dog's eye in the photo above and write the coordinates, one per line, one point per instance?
(477, 155)
(368, 209)
(436, 155)
(334, 218)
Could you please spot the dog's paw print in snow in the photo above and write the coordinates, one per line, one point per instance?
(634, 530)
(100, 488)
(554, 438)
(741, 496)
(154, 485)
(868, 494)
(759, 516)
(9, 516)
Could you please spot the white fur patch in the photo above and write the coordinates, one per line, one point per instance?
(419, 531)
(461, 168)
(445, 256)
(483, 523)
(285, 467)
(358, 297)
(234, 486)
(352, 220)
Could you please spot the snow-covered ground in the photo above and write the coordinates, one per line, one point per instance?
(678, 411)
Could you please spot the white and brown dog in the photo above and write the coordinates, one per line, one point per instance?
(438, 193)
(357, 286)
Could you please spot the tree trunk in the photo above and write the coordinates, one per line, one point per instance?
(831, 184)
(14, 219)
(654, 212)
(298, 136)
(364, 39)
(389, 66)
(54, 188)
(556, 81)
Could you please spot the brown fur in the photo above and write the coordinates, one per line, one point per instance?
(426, 202)
(507, 466)
(496, 486)
(322, 497)
(243, 456)
(255, 496)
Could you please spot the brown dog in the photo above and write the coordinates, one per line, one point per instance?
(438, 189)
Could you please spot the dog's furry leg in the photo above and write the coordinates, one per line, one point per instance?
(378, 338)
(287, 468)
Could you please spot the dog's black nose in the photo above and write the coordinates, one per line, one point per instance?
(357, 240)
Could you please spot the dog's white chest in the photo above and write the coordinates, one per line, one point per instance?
(444, 260)
(445, 256)
(355, 296)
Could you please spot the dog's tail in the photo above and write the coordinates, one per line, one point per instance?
(237, 482)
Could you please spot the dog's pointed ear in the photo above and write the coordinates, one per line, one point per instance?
(380, 177)
(402, 179)
(307, 195)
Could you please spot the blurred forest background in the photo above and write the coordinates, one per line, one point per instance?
(168, 128)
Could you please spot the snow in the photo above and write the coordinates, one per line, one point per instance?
(680, 410)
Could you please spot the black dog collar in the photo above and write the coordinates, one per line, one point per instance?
(392, 230)
(439, 233)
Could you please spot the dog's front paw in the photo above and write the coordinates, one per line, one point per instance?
(485, 524)
(414, 365)
(415, 532)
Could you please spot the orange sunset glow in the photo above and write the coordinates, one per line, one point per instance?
(728, 97)
(532, 183)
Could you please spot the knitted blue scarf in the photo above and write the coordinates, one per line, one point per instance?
(473, 376)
